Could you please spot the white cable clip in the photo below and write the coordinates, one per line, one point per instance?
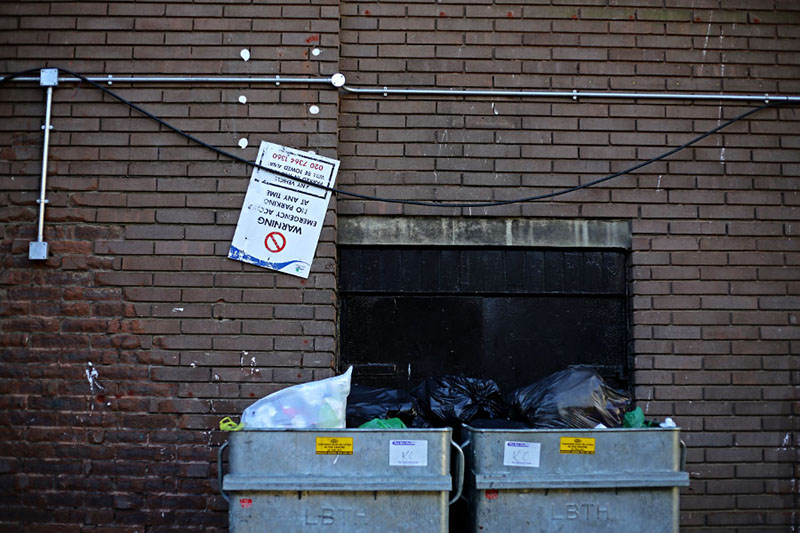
(109, 79)
(575, 94)
(766, 98)
(277, 80)
(385, 88)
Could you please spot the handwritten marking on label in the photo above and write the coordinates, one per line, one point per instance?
(522, 454)
(408, 453)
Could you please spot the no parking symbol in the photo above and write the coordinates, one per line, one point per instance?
(275, 242)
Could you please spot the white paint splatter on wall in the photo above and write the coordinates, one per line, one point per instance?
(91, 376)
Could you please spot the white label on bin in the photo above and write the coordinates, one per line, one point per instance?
(408, 453)
(521, 454)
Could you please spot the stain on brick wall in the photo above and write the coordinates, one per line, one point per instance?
(122, 351)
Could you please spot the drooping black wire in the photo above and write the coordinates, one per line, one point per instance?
(19, 74)
(397, 200)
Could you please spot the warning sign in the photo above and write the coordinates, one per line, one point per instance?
(284, 209)
(334, 445)
(576, 445)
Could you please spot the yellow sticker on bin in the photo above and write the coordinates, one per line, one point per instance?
(577, 445)
(334, 445)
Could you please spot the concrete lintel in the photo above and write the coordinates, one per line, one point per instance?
(451, 231)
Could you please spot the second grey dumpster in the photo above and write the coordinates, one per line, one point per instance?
(339, 480)
(603, 480)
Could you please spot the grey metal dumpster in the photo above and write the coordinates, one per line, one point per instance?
(349, 480)
(605, 480)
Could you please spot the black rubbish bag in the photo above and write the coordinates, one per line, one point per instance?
(368, 403)
(451, 400)
(576, 397)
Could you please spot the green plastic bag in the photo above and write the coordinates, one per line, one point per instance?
(379, 423)
(633, 419)
(636, 419)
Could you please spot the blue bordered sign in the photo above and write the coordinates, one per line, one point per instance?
(284, 210)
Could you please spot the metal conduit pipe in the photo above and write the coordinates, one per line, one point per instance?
(110, 79)
(338, 80)
(49, 78)
(38, 250)
(575, 94)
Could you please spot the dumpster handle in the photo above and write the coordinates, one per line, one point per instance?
(460, 469)
(683, 455)
(219, 471)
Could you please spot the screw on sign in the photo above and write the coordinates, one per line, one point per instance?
(275, 242)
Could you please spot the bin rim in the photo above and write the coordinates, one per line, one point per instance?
(565, 430)
(345, 430)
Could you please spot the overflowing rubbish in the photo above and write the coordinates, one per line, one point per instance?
(227, 424)
(498, 423)
(636, 419)
(318, 404)
(379, 423)
(452, 400)
(668, 423)
(370, 403)
(576, 397)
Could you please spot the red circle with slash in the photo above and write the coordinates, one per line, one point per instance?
(275, 242)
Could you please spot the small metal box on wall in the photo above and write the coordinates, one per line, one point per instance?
(348, 480)
(574, 480)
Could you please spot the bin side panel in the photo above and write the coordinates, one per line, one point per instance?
(599, 511)
(339, 512)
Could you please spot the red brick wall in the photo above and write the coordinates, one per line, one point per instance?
(715, 254)
(138, 284)
(139, 222)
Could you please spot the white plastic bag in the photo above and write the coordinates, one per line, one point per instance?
(319, 404)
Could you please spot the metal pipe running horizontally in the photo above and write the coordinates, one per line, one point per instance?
(110, 79)
(338, 81)
(575, 94)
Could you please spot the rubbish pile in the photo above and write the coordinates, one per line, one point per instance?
(576, 397)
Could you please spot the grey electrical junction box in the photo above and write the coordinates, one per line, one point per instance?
(37, 250)
(48, 77)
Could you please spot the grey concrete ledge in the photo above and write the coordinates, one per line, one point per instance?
(452, 231)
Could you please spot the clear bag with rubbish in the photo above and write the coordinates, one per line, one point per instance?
(319, 404)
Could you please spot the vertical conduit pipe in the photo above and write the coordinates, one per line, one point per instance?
(38, 250)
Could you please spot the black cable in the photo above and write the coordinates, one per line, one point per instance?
(396, 200)
(19, 74)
